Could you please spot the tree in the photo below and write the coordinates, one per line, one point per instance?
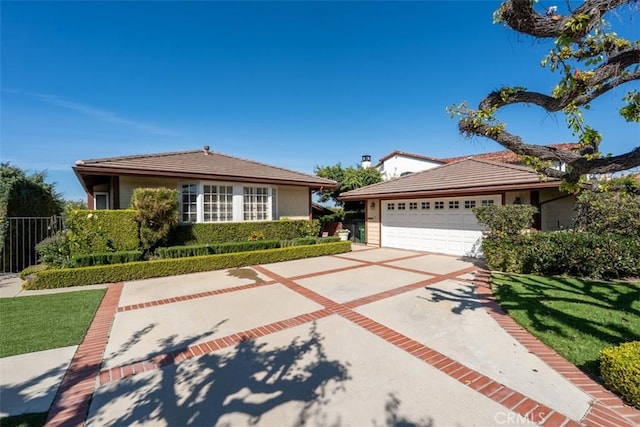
(591, 60)
(156, 212)
(27, 195)
(348, 178)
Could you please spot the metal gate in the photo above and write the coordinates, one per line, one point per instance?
(21, 235)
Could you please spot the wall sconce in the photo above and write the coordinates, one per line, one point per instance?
(372, 205)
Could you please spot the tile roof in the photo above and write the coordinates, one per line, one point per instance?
(507, 156)
(198, 164)
(469, 175)
(411, 155)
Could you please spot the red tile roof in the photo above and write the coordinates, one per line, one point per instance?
(507, 156)
(463, 177)
(198, 164)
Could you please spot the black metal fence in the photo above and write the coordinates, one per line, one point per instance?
(22, 234)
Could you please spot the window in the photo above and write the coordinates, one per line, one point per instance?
(218, 203)
(425, 205)
(438, 205)
(256, 203)
(391, 206)
(487, 202)
(454, 204)
(468, 204)
(413, 206)
(189, 202)
(101, 200)
(402, 206)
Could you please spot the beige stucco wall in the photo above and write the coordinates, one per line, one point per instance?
(556, 214)
(130, 183)
(293, 202)
(372, 225)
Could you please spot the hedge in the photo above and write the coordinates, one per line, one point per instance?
(213, 233)
(101, 231)
(222, 248)
(105, 258)
(620, 369)
(572, 253)
(57, 278)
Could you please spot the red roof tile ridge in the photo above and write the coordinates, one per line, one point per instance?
(407, 154)
(135, 156)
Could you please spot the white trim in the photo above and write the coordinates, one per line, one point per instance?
(101, 193)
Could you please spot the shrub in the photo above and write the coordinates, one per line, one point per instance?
(57, 278)
(156, 212)
(55, 250)
(101, 231)
(615, 212)
(31, 270)
(564, 252)
(505, 220)
(620, 369)
(213, 233)
(222, 248)
(106, 258)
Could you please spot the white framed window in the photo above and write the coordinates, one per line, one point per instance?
(217, 203)
(256, 203)
(468, 204)
(426, 205)
(402, 206)
(189, 203)
(454, 204)
(413, 206)
(488, 202)
(391, 206)
(101, 200)
(438, 205)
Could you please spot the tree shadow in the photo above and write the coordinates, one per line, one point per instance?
(248, 381)
(464, 296)
(22, 395)
(545, 299)
(393, 419)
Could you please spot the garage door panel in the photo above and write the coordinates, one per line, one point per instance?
(451, 229)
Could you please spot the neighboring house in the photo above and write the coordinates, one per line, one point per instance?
(431, 210)
(400, 163)
(212, 187)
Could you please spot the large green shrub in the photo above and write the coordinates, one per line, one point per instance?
(105, 258)
(213, 233)
(565, 252)
(101, 231)
(620, 368)
(616, 212)
(156, 212)
(57, 278)
(505, 220)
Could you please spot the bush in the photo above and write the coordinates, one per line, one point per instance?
(156, 212)
(564, 252)
(105, 258)
(505, 220)
(101, 231)
(214, 233)
(57, 278)
(222, 248)
(55, 250)
(31, 270)
(620, 369)
(614, 212)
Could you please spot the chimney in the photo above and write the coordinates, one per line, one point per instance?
(366, 161)
(206, 150)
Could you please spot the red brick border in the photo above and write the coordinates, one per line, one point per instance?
(607, 411)
(71, 403)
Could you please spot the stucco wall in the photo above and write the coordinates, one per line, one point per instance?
(293, 202)
(396, 165)
(556, 214)
(130, 183)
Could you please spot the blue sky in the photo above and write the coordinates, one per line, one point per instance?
(293, 84)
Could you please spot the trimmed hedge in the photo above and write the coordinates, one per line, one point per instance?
(213, 233)
(620, 369)
(105, 258)
(57, 278)
(568, 252)
(222, 248)
(101, 231)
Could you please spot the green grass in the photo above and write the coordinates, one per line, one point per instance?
(577, 318)
(42, 322)
(37, 419)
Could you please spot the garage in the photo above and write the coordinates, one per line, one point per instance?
(444, 225)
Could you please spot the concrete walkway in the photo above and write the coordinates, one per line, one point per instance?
(376, 337)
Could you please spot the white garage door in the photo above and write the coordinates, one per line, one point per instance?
(445, 225)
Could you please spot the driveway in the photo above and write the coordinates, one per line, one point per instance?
(374, 337)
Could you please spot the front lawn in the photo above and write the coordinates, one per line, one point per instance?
(575, 317)
(43, 322)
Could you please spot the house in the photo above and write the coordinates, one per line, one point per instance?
(400, 163)
(212, 187)
(431, 210)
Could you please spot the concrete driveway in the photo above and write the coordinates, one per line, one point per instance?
(374, 337)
